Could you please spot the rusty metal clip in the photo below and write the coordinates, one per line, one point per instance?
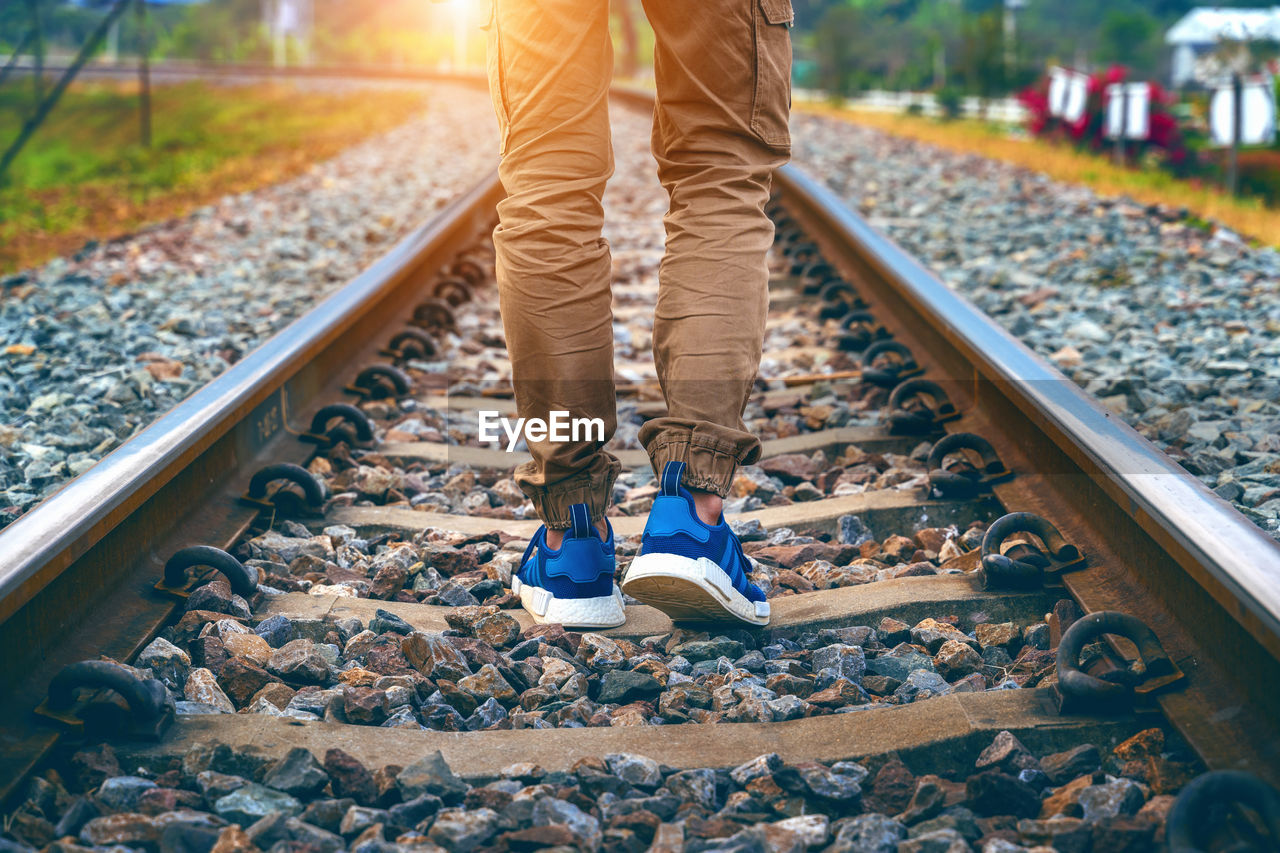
(1078, 692)
(354, 426)
(411, 343)
(313, 490)
(896, 363)
(378, 381)
(961, 479)
(1024, 566)
(910, 414)
(455, 291)
(150, 708)
(175, 582)
(1190, 823)
(435, 315)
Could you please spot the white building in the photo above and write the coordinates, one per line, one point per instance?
(1203, 29)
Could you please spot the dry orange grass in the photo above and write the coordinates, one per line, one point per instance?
(1246, 216)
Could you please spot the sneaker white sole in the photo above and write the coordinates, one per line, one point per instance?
(691, 590)
(605, 611)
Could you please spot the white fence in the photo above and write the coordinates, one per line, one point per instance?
(879, 100)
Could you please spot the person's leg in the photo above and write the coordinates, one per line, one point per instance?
(550, 64)
(720, 129)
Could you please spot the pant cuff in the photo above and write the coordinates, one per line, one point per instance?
(710, 463)
(552, 502)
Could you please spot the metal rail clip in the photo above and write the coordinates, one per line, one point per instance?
(1192, 818)
(455, 291)
(960, 479)
(242, 579)
(353, 427)
(285, 501)
(411, 343)
(435, 315)
(149, 708)
(1024, 566)
(860, 330)
(379, 381)
(1078, 692)
(887, 363)
(918, 406)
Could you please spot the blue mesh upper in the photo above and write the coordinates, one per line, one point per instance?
(582, 568)
(674, 528)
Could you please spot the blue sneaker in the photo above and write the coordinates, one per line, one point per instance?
(689, 569)
(574, 585)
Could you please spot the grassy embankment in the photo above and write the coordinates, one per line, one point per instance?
(85, 176)
(1063, 163)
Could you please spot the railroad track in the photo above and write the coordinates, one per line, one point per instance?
(859, 532)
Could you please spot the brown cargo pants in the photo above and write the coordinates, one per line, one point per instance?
(720, 128)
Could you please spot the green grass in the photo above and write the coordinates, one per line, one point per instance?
(86, 176)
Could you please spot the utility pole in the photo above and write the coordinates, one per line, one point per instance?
(37, 48)
(144, 72)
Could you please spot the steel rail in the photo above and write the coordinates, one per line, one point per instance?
(1240, 563)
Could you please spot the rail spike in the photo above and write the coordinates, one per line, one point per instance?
(1024, 566)
(961, 479)
(312, 489)
(1078, 692)
(1191, 820)
(909, 414)
(243, 580)
(150, 708)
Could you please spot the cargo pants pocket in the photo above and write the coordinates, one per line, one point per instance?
(771, 103)
(497, 76)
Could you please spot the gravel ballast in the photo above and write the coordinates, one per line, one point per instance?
(96, 347)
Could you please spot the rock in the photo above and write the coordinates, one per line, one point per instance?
(696, 786)
(635, 770)
(488, 713)
(169, 663)
(955, 660)
(621, 686)
(868, 833)
(926, 801)
(1006, 753)
(432, 775)
(899, 662)
(922, 684)
(435, 657)
(1114, 798)
(600, 653)
(488, 683)
(300, 661)
(460, 831)
(1059, 833)
(762, 765)
(697, 651)
(1148, 743)
(251, 802)
(121, 793)
(550, 811)
(203, 687)
(349, 777)
(499, 630)
(128, 829)
(1062, 767)
(251, 647)
(941, 841)
(992, 792)
(827, 784)
(931, 634)
(386, 622)
(854, 531)
(276, 630)
(845, 661)
(366, 705)
(1003, 635)
(241, 679)
(790, 468)
(298, 774)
